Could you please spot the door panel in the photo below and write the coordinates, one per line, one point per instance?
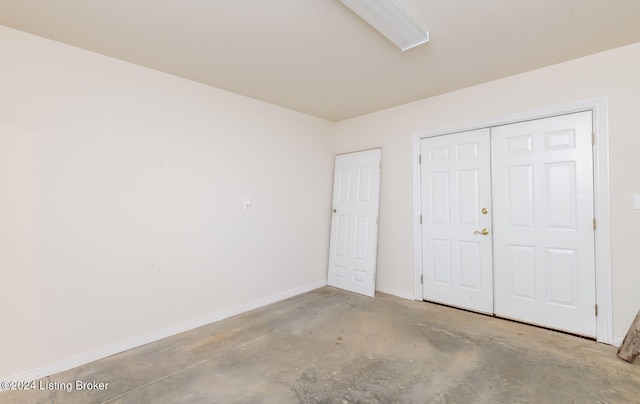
(521, 271)
(354, 228)
(544, 268)
(520, 188)
(456, 185)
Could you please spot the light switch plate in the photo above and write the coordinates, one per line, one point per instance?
(636, 202)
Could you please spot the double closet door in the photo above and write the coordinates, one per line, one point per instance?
(508, 222)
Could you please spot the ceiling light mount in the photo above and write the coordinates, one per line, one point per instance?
(391, 20)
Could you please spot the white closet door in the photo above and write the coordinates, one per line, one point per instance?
(354, 225)
(544, 268)
(456, 186)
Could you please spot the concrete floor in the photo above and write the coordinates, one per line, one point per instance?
(330, 346)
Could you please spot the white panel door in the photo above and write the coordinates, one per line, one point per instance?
(456, 220)
(354, 225)
(543, 222)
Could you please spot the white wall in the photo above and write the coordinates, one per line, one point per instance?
(614, 74)
(121, 195)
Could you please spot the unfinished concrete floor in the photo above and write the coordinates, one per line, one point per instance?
(330, 346)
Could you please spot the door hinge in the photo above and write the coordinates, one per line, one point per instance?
(593, 138)
(420, 219)
(596, 310)
(594, 224)
(419, 158)
(421, 279)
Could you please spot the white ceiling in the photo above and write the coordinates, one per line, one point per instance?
(317, 57)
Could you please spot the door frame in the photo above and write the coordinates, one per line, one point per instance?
(599, 108)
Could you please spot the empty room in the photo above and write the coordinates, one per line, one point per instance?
(320, 201)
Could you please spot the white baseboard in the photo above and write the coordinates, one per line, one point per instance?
(71, 363)
(398, 293)
(617, 341)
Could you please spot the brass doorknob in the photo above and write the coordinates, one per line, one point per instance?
(485, 211)
(484, 232)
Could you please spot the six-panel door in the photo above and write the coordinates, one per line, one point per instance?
(544, 267)
(354, 224)
(456, 202)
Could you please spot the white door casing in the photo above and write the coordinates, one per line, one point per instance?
(544, 267)
(354, 223)
(456, 220)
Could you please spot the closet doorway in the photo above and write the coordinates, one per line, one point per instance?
(507, 221)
